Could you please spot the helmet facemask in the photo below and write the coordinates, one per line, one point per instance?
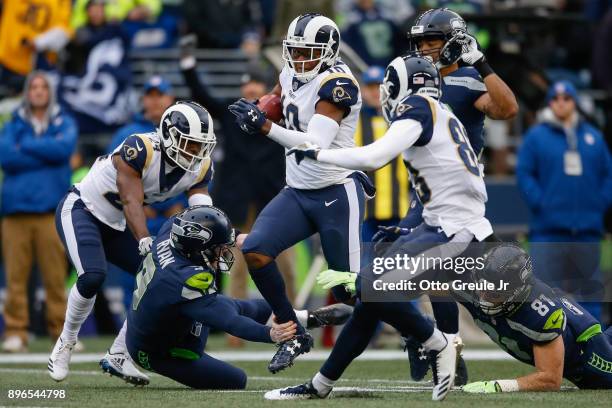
(220, 258)
(180, 153)
(321, 53)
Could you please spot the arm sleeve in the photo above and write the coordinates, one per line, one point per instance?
(58, 147)
(223, 314)
(400, 136)
(526, 173)
(321, 131)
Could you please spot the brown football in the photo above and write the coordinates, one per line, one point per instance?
(271, 106)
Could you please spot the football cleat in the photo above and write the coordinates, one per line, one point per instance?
(461, 377)
(60, 359)
(289, 350)
(297, 392)
(14, 344)
(444, 367)
(418, 358)
(121, 365)
(332, 315)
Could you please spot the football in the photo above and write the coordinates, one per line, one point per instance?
(271, 106)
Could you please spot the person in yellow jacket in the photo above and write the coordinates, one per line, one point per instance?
(29, 26)
(118, 10)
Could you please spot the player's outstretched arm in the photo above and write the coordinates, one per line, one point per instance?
(131, 192)
(548, 359)
(400, 136)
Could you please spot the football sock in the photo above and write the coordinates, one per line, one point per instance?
(77, 310)
(302, 316)
(119, 343)
(436, 342)
(270, 284)
(446, 312)
(353, 340)
(322, 384)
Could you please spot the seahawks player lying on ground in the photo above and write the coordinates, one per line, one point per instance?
(176, 303)
(535, 324)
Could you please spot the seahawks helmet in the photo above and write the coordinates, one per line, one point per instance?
(508, 264)
(443, 24)
(182, 124)
(314, 37)
(204, 235)
(405, 76)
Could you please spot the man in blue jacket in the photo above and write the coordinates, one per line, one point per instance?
(35, 149)
(564, 173)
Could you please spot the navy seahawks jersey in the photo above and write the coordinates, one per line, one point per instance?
(460, 89)
(176, 300)
(545, 315)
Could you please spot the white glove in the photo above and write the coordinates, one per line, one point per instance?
(144, 245)
(471, 53)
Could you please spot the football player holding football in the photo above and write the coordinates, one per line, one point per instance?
(321, 102)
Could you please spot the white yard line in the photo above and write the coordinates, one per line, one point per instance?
(230, 356)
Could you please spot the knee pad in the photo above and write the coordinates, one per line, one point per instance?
(89, 283)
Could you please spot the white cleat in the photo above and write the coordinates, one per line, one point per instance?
(121, 365)
(298, 392)
(13, 344)
(60, 359)
(444, 367)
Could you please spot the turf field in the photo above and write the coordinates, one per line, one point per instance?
(366, 383)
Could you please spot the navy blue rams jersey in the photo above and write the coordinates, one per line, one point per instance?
(175, 300)
(460, 89)
(543, 317)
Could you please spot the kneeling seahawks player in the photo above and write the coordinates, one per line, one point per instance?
(176, 303)
(537, 325)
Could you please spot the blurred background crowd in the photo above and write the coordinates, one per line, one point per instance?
(78, 77)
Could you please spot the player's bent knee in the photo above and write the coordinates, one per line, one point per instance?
(89, 283)
(257, 261)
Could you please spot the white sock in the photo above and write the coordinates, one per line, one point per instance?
(436, 342)
(119, 343)
(322, 384)
(302, 316)
(77, 310)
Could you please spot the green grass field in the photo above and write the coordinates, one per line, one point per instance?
(366, 383)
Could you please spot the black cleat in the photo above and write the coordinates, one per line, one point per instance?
(289, 350)
(418, 357)
(332, 315)
(297, 392)
(461, 378)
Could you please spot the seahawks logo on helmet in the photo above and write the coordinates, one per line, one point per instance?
(192, 230)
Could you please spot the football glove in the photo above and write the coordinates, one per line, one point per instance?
(389, 234)
(304, 150)
(248, 116)
(144, 245)
(330, 278)
(482, 387)
(471, 54)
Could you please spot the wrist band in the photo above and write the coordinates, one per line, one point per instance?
(508, 385)
(483, 68)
